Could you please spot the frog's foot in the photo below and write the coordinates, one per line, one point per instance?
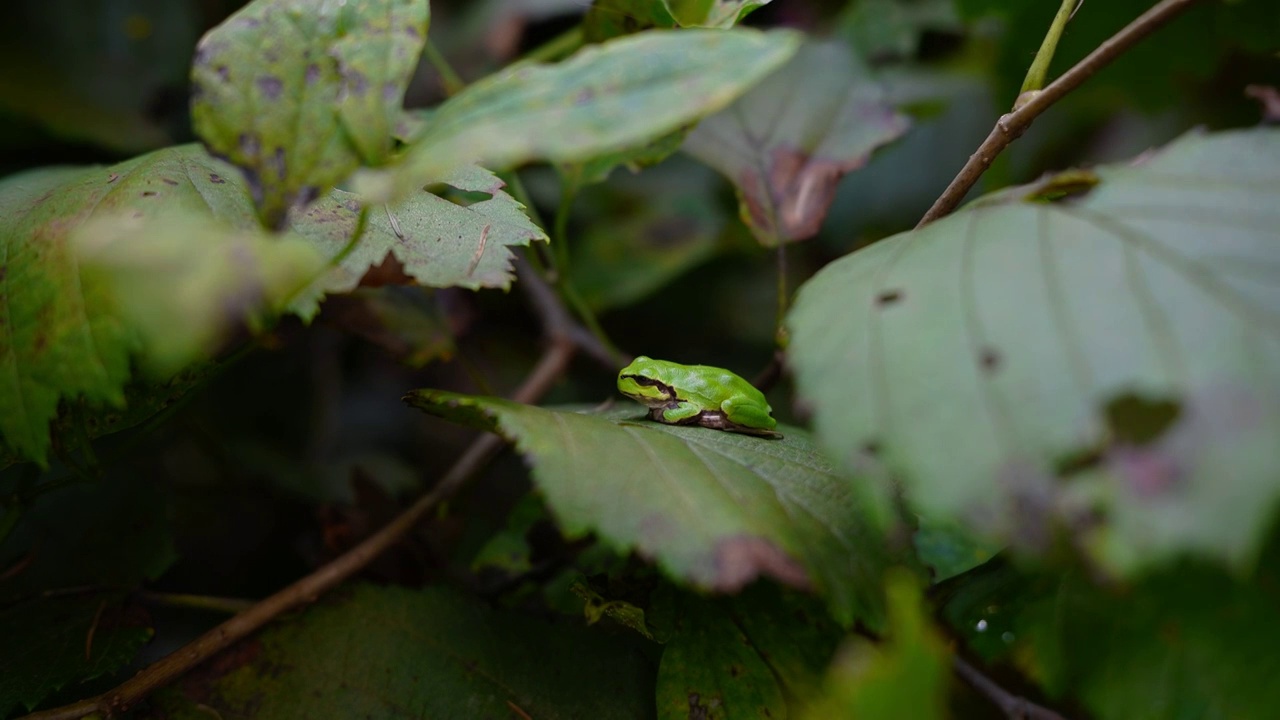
(716, 420)
(679, 413)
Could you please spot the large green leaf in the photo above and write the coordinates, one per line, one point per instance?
(714, 509)
(393, 653)
(906, 676)
(437, 242)
(298, 92)
(60, 337)
(786, 143)
(1109, 362)
(606, 98)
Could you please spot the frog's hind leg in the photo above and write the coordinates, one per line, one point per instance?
(748, 414)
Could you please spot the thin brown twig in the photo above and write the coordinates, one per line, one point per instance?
(1011, 125)
(549, 369)
(1013, 706)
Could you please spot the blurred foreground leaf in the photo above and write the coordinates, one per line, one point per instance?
(905, 676)
(394, 653)
(1107, 363)
(604, 99)
(298, 93)
(713, 509)
(786, 143)
(61, 339)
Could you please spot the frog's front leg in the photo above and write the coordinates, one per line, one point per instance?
(748, 414)
(681, 412)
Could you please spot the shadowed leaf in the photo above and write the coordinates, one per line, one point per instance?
(786, 143)
(389, 652)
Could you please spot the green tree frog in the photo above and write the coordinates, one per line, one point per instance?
(697, 395)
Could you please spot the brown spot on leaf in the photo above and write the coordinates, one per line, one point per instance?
(990, 359)
(412, 31)
(734, 671)
(168, 181)
(149, 193)
(740, 560)
(356, 83)
(1135, 419)
(271, 86)
(113, 177)
(224, 73)
(216, 179)
(888, 297)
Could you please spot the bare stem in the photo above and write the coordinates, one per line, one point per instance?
(449, 78)
(1039, 69)
(1013, 706)
(1011, 125)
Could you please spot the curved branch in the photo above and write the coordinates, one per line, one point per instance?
(1011, 125)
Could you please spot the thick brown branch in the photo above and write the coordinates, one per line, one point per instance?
(1011, 125)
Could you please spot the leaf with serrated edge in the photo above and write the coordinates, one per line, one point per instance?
(606, 98)
(58, 336)
(713, 509)
(787, 143)
(438, 243)
(978, 356)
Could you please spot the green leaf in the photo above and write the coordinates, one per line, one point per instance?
(710, 670)
(106, 537)
(786, 143)
(297, 92)
(1189, 642)
(183, 281)
(906, 676)
(642, 232)
(389, 652)
(1108, 363)
(711, 13)
(60, 338)
(604, 99)
(608, 19)
(437, 242)
(713, 509)
(408, 323)
(44, 645)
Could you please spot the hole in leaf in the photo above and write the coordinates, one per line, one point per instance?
(1139, 420)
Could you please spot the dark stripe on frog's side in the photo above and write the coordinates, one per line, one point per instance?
(665, 389)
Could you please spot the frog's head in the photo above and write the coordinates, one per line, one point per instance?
(641, 381)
